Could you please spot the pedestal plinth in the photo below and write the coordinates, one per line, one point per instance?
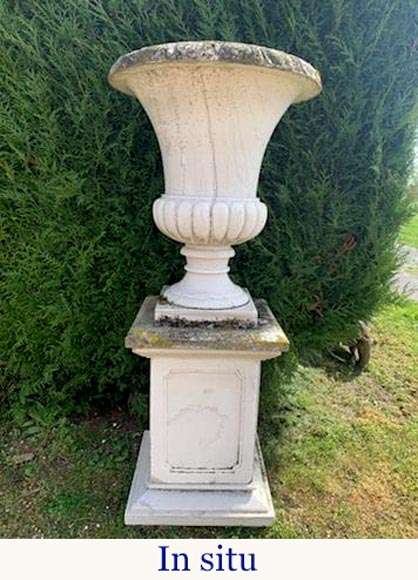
(201, 464)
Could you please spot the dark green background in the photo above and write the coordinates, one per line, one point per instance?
(80, 168)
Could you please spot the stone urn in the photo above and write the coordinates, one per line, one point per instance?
(214, 106)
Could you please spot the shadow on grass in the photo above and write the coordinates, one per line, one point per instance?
(337, 363)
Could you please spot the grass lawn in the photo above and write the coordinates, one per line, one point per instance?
(409, 233)
(345, 465)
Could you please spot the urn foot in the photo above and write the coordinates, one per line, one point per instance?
(206, 285)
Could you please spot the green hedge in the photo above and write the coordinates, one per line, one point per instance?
(80, 168)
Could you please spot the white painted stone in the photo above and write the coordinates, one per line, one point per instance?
(167, 310)
(203, 419)
(206, 285)
(201, 466)
(214, 106)
(230, 507)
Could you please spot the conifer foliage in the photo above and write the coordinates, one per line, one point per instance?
(80, 168)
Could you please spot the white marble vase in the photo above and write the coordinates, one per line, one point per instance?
(214, 106)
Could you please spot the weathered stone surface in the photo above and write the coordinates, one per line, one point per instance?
(234, 507)
(214, 106)
(148, 335)
(205, 379)
(247, 314)
(215, 52)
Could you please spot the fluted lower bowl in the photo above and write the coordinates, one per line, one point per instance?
(211, 222)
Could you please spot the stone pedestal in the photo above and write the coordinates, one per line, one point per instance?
(201, 464)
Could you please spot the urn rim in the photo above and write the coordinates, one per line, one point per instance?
(215, 52)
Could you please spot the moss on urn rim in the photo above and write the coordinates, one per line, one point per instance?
(215, 52)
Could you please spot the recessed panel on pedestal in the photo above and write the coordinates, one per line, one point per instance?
(203, 419)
